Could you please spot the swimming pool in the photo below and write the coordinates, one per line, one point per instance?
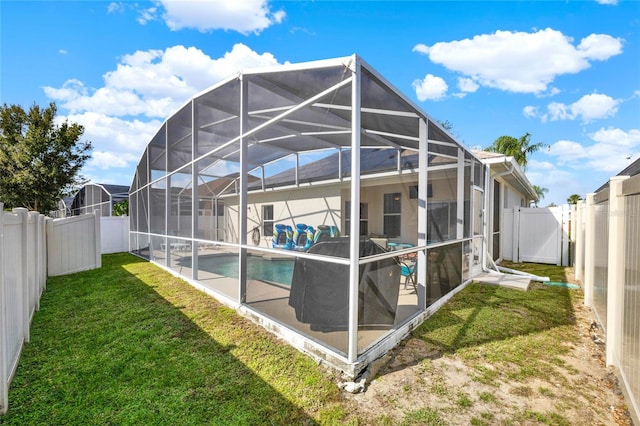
(258, 268)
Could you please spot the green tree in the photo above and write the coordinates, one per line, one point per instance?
(121, 208)
(573, 199)
(519, 148)
(540, 191)
(40, 160)
(446, 124)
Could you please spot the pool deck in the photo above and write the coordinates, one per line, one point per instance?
(272, 301)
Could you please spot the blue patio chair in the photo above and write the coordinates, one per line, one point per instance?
(408, 271)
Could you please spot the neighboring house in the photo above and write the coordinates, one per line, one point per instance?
(101, 197)
(631, 170)
(317, 145)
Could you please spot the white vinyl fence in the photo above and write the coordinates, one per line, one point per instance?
(33, 247)
(608, 262)
(22, 280)
(114, 234)
(538, 235)
(74, 244)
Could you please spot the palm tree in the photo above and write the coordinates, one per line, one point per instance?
(519, 149)
(540, 191)
(573, 199)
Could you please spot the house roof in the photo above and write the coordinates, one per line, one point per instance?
(509, 169)
(631, 170)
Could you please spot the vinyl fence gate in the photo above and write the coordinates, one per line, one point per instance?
(539, 235)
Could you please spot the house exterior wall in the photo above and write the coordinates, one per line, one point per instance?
(312, 206)
(510, 198)
(326, 206)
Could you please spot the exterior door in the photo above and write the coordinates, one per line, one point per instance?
(478, 223)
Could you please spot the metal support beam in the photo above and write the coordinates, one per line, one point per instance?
(354, 232)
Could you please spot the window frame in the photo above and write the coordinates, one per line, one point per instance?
(395, 214)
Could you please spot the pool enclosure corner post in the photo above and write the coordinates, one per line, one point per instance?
(195, 193)
(423, 183)
(354, 231)
(242, 226)
(167, 200)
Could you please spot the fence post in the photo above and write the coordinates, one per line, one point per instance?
(579, 242)
(4, 379)
(589, 248)
(616, 273)
(45, 247)
(32, 259)
(24, 268)
(42, 253)
(565, 251)
(96, 217)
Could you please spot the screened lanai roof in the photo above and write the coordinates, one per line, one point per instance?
(292, 115)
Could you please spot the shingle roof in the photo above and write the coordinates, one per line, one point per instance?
(631, 170)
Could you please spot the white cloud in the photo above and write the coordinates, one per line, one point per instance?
(146, 15)
(245, 17)
(116, 135)
(560, 182)
(600, 47)
(122, 116)
(520, 62)
(588, 108)
(607, 153)
(430, 88)
(107, 160)
(114, 7)
(608, 2)
(530, 111)
(467, 85)
(154, 83)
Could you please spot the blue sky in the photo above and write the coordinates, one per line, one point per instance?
(566, 72)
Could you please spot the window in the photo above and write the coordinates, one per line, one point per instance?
(267, 219)
(392, 215)
(208, 207)
(441, 222)
(413, 191)
(364, 218)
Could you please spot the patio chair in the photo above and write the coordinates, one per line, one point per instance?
(408, 271)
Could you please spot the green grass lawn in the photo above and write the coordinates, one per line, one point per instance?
(130, 344)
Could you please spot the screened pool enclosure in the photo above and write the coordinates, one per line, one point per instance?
(251, 191)
(97, 197)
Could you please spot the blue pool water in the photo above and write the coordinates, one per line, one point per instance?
(258, 268)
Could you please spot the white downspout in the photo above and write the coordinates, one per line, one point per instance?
(487, 259)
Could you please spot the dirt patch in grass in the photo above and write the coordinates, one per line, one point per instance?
(543, 367)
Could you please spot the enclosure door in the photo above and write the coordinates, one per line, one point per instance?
(477, 218)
